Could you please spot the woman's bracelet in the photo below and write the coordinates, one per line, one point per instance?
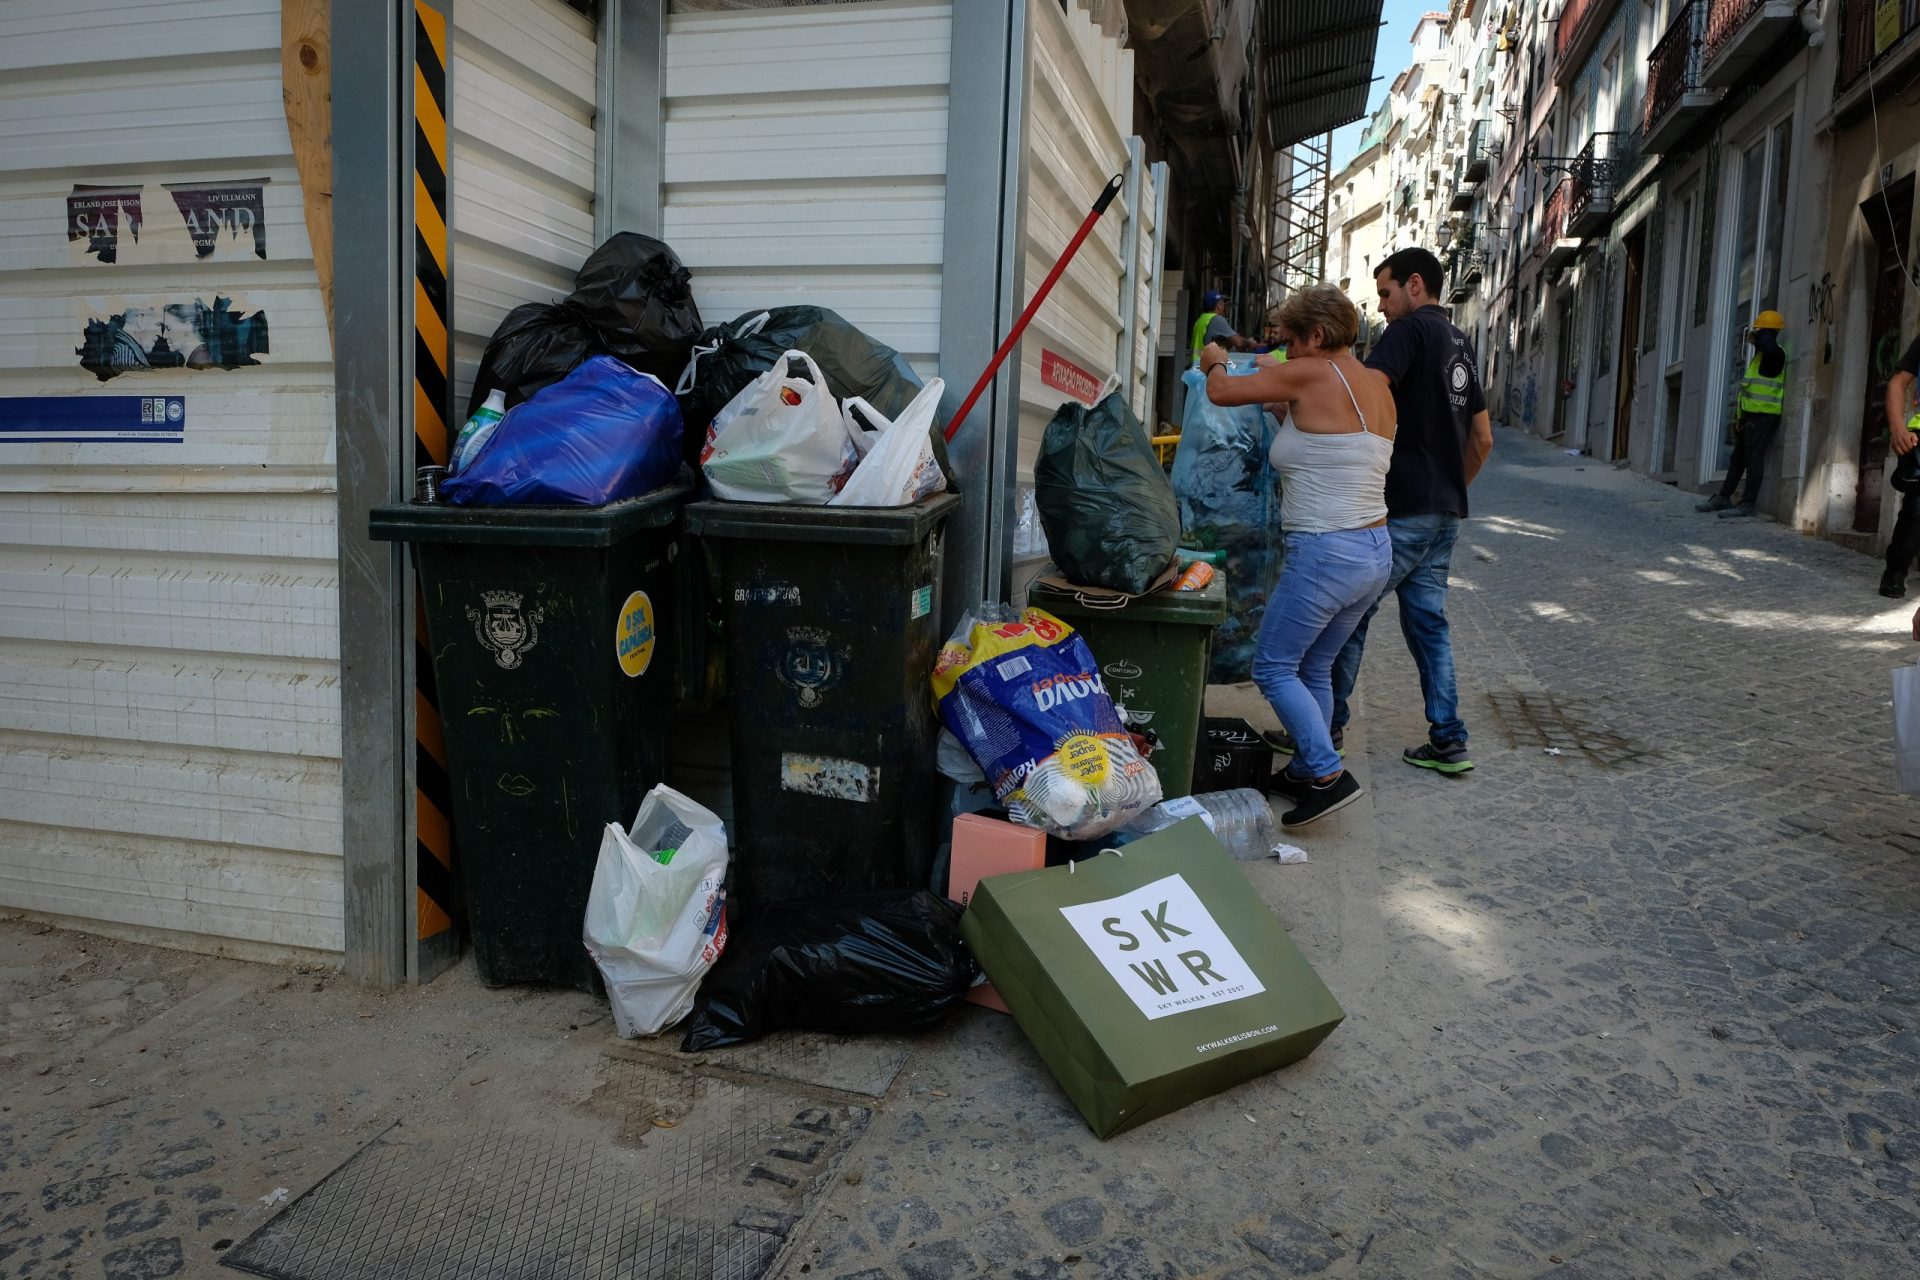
(1217, 364)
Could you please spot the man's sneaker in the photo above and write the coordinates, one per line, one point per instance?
(1451, 758)
(1289, 785)
(1718, 502)
(1735, 513)
(1893, 585)
(1318, 799)
(1283, 745)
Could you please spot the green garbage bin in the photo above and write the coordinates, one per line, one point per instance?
(832, 622)
(553, 638)
(1153, 653)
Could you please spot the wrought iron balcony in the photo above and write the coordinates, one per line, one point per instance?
(1579, 28)
(1594, 178)
(1868, 39)
(1739, 34)
(1676, 99)
(1479, 156)
(1463, 191)
(1554, 246)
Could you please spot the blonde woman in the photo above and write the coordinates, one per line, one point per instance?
(1332, 452)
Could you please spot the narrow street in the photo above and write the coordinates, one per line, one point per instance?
(1640, 996)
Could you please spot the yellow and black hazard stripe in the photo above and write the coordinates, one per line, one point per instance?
(432, 362)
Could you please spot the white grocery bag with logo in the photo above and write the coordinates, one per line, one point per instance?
(782, 439)
(655, 917)
(898, 466)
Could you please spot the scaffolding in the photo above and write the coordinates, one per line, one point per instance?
(1299, 222)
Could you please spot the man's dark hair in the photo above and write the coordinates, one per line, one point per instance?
(1403, 265)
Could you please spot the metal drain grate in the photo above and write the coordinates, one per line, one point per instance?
(1566, 724)
(668, 1175)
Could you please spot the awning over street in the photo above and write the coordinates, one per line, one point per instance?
(1318, 64)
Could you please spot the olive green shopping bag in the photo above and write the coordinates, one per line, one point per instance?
(1148, 977)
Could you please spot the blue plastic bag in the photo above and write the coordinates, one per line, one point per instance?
(1230, 501)
(601, 434)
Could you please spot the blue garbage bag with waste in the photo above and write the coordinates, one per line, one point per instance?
(1230, 501)
(603, 433)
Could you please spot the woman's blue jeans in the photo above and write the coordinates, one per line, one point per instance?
(1328, 582)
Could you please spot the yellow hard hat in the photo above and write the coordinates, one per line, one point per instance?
(1770, 320)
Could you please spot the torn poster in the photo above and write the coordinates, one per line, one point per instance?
(92, 419)
(95, 216)
(156, 333)
(224, 219)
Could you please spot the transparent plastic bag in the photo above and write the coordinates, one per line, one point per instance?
(655, 921)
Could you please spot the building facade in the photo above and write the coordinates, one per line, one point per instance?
(1632, 182)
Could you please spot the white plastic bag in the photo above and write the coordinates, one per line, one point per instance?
(655, 916)
(897, 466)
(1906, 728)
(782, 439)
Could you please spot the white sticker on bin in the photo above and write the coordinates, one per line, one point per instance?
(922, 602)
(1164, 949)
(829, 776)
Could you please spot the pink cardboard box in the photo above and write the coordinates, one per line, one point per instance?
(985, 847)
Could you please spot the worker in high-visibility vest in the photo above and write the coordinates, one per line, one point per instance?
(1763, 394)
(1211, 326)
(1903, 433)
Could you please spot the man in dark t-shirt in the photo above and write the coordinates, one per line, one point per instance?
(1901, 424)
(1443, 438)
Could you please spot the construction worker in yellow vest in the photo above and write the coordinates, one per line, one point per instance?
(1211, 326)
(1763, 394)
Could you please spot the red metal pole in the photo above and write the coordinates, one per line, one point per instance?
(1107, 193)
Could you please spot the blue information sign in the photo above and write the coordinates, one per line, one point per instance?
(93, 419)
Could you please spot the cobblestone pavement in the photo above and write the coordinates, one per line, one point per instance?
(1648, 1007)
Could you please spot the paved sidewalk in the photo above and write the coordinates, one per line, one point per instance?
(1649, 1006)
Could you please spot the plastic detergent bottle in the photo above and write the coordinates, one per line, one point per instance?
(478, 428)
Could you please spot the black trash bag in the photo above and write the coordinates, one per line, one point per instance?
(537, 345)
(1107, 507)
(729, 356)
(856, 962)
(634, 291)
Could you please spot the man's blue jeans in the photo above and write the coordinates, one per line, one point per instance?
(1422, 556)
(1327, 582)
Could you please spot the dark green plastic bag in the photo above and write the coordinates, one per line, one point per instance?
(1108, 509)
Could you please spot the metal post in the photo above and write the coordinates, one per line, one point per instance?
(630, 128)
(982, 288)
(372, 63)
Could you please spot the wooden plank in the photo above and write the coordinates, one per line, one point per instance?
(306, 75)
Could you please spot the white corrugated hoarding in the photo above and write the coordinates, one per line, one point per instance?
(805, 163)
(1080, 116)
(169, 689)
(523, 86)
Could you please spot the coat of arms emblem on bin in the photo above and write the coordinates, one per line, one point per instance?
(504, 627)
(811, 665)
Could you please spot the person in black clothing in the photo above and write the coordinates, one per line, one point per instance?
(1901, 427)
(1763, 394)
(1443, 439)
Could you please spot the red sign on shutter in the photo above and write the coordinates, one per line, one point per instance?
(1063, 374)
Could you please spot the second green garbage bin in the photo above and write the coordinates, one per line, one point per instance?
(832, 626)
(1153, 652)
(553, 638)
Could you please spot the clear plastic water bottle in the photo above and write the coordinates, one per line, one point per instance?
(1242, 821)
(478, 428)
